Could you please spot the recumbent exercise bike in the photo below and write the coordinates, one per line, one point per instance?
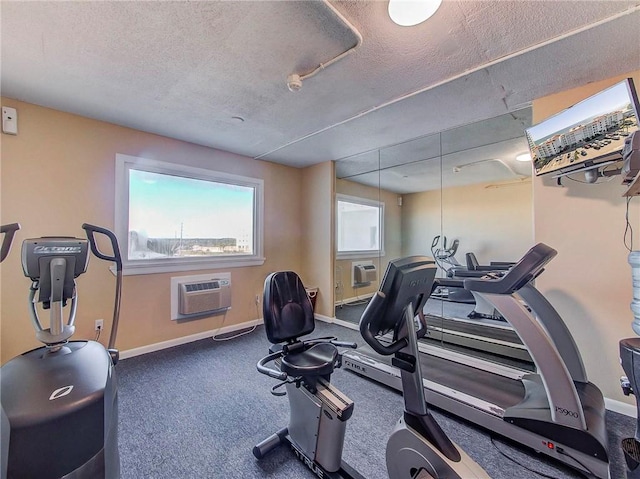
(417, 447)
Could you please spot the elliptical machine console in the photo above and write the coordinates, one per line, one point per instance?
(59, 401)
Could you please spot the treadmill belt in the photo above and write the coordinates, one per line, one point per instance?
(476, 329)
(489, 387)
(495, 389)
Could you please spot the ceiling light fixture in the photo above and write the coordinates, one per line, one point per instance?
(524, 157)
(407, 13)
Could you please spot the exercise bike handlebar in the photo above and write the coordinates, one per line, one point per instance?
(8, 231)
(274, 373)
(344, 344)
(373, 311)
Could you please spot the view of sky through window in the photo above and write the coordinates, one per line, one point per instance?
(163, 206)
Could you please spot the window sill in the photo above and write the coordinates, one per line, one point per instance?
(155, 268)
(360, 255)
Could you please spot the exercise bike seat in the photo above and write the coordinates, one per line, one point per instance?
(288, 315)
(287, 309)
(318, 360)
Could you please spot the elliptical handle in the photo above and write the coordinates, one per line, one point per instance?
(371, 312)
(116, 258)
(274, 373)
(8, 230)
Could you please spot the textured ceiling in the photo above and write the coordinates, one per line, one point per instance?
(185, 69)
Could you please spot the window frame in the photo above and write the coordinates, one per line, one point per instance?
(124, 163)
(359, 254)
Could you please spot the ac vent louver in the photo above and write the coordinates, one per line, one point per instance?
(203, 297)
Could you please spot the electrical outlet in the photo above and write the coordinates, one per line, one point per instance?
(99, 324)
(257, 299)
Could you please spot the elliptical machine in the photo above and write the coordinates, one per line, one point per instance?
(59, 401)
(417, 447)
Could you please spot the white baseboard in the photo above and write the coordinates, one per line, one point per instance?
(339, 322)
(323, 318)
(361, 297)
(620, 407)
(130, 353)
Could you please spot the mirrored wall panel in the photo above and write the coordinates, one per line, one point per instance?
(461, 196)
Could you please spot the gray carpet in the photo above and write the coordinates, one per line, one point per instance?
(197, 410)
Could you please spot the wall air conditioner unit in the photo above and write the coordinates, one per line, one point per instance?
(364, 274)
(203, 296)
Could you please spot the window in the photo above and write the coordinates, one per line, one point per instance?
(177, 218)
(360, 226)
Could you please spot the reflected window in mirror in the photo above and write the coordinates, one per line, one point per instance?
(359, 227)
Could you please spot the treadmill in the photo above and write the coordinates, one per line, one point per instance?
(495, 338)
(555, 411)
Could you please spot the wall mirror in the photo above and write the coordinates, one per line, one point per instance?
(463, 184)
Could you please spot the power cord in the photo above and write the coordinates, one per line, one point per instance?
(628, 230)
(227, 338)
(542, 474)
(565, 453)
(242, 333)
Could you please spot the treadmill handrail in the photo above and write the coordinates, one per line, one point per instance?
(560, 390)
(525, 270)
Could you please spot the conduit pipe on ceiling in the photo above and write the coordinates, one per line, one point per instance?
(294, 81)
(456, 169)
(453, 78)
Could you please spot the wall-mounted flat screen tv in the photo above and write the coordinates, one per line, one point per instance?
(587, 135)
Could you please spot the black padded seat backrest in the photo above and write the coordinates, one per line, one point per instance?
(286, 307)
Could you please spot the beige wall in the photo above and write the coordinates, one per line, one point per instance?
(317, 233)
(494, 223)
(59, 172)
(589, 282)
(392, 237)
